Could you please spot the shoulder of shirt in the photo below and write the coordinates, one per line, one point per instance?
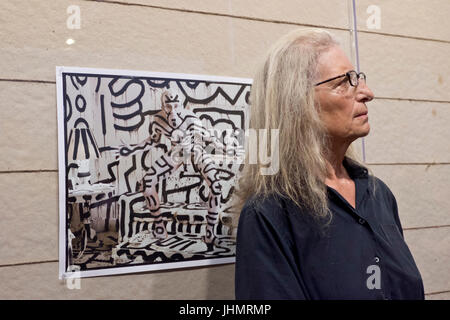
(266, 204)
(272, 211)
(357, 170)
(272, 207)
(278, 210)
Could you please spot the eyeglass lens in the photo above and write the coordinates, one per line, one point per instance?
(354, 76)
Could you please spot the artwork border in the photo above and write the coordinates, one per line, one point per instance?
(62, 169)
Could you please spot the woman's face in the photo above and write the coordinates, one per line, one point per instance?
(342, 107)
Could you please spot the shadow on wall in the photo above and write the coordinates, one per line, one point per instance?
(220, 282)
(196, 283)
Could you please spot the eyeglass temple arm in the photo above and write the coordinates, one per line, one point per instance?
(328, 80)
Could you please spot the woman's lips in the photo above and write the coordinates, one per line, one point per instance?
(363, 116)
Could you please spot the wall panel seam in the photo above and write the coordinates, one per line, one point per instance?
(437, 292)
(27, 263)
(375, 98)
(264, 19)
(227, 15)
(404, 36)
(28, 81)
(406, 163)
(29, 171)
(411, 99)
(427, 227)
(368, 164)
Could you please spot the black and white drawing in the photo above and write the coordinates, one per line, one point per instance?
(148, 163)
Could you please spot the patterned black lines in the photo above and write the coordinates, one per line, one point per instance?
(128, 172)
(132, 113)
(103, 115)
(219, 91)
(80, 103)
(68, 106)
(159, 83)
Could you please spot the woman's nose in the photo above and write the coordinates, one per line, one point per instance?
(364, 94)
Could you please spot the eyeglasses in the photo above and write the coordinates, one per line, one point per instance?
(352, 77)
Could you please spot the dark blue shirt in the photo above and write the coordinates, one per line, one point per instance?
(282, 253)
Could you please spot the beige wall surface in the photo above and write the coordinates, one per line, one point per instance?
(406, 62)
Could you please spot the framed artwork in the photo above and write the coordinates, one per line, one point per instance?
(148, 163)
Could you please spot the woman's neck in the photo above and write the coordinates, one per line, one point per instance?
(334, 158)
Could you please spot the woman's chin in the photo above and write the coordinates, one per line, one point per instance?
(365, 129)
(362, 132)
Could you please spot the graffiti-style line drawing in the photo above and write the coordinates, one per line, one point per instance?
(158, 184)
(188, 138)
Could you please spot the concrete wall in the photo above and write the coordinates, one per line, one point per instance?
(406, 62)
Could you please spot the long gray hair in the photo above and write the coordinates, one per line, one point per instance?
(282, 97)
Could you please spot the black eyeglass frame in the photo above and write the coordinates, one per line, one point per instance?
(348, 75)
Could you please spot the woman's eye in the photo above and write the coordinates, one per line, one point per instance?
(342, 83)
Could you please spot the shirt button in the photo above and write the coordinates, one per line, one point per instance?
(362, 221)
(377, 259)
(384, 296)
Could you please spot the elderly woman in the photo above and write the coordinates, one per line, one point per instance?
(322, 226)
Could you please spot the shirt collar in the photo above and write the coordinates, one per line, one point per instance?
(359, 174)
(354, 169)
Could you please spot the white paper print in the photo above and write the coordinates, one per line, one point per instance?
(147, 165)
